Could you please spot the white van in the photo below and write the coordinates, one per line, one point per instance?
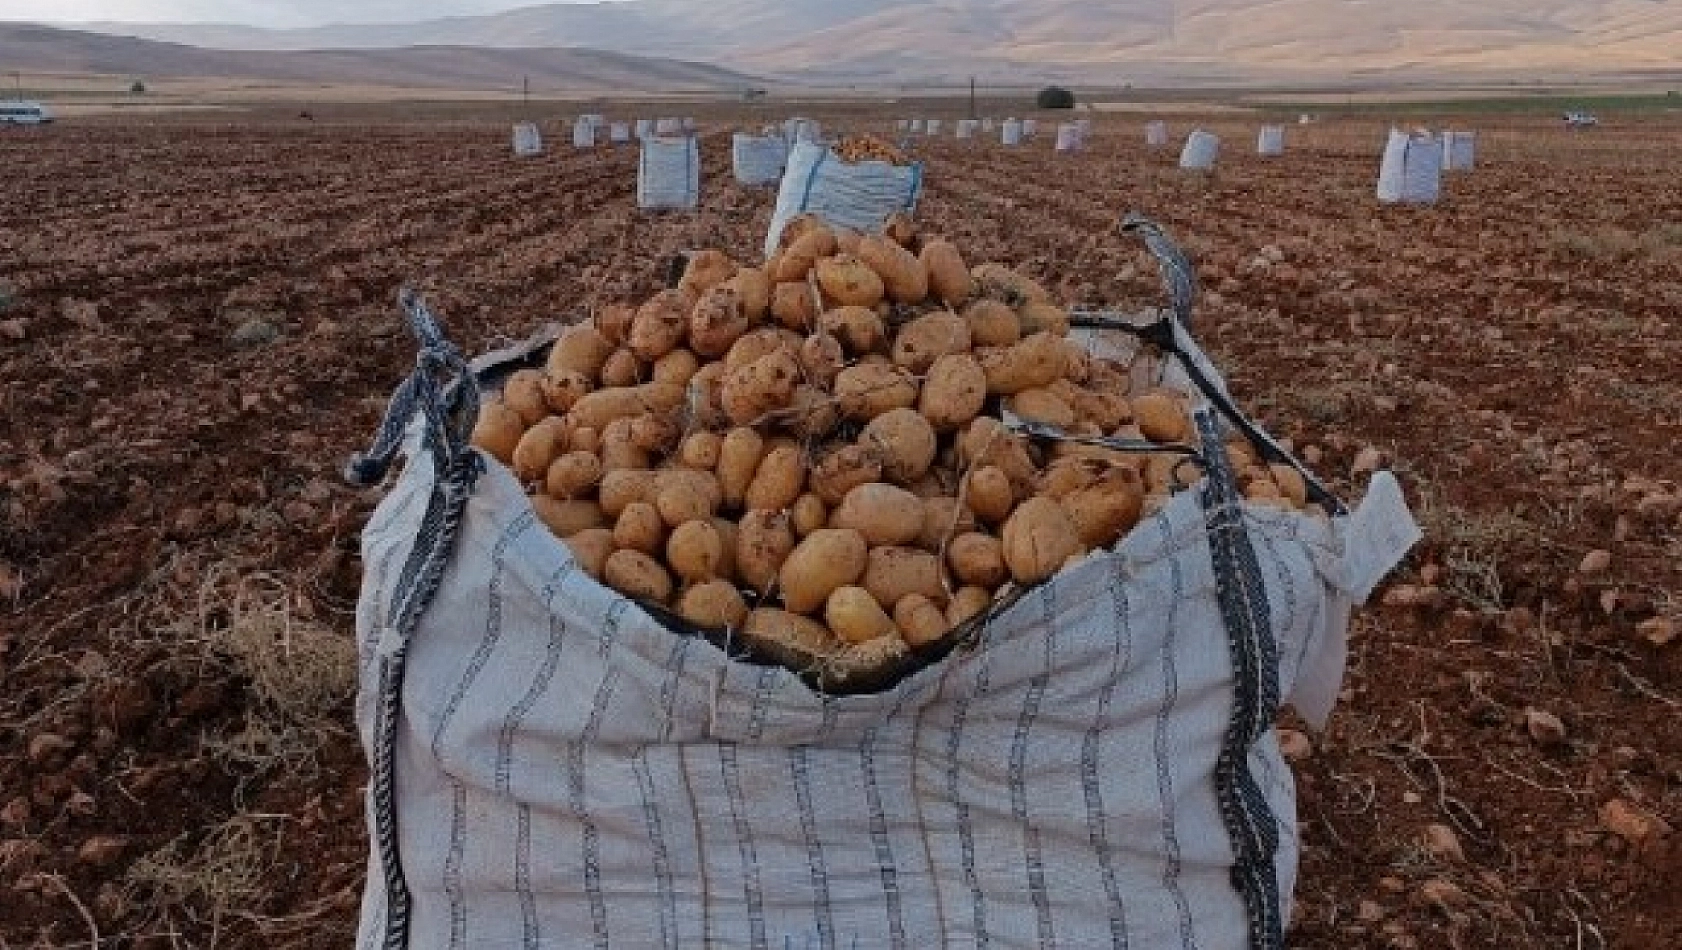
(23, 112)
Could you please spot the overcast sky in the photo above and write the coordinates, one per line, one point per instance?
(252, 12)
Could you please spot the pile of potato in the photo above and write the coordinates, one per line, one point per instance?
(868, 148)
(810, 452)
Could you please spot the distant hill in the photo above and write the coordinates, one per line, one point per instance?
(45, 49)
(893, 40)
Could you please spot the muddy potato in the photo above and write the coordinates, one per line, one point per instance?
(539, 447)
(868, 390)
(703, 395)
(759, 344)
(753, 288)
(826, 559)
(780, 479)
(763, 386)
(713, 605)
(797, 641)
(562, 390)
(706, 270)
(988, 442)
(906, 441)
(844, 468)
(681, 502)
(1107, 509)
(860, 329)
(717, 322)
(580, 349)
(585, 440)
(893, 573)
(992, 324)
(523, 393)
(695, 551)
(928, 338)
(498, 431)
(640, 528)
(949, 277)
(1162, 416)
(811, 414)
(821, 358)
(919, 621)
(621, 369)
(1044, 406)
(764, 540)
(882, 513)
(798, 227)
(596, 410)
(1038, 539)
(795, 305)
(808, 514)
(1043, 318)
(967, 604)
(676, 368)
(1033, 362)
(901, 229)
(567, 518)
(701, 451)
(1291, 484)
(703, 484)
(855, 616)
(658, 434)
(638, 576)
(977, 560)
(1013, 287)
(659, 325)
(849, 282)
(591, 548)
(903, 275)
(572, 475)
(990, 495)
(619, 489)
(619, 450)
(847, 241)
(1239, 454)
(1103, 410)
(954, 393)
(800, 257)
(944, 518)
(738, 460)
(1065, 476)
(613, 322)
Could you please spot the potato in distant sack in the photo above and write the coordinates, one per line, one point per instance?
(538, 447)
(638, 576)
(906, 441)
(884, 514)
(926, 339)
(498, 431)
(825, 560)
(659, 325)
(567, 518)
(713, 605)
(855, 616)
(581, 349)
(903, 275)
(717, 322)
(988, 442)
(954, 393)
(843, 469)
(949, 277)
(706, 270)
(849, 282)
(868, 390)
(764, 540)
(1038, 539)
(680, 502)
(1291, 484)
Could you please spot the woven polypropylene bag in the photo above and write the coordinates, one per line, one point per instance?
(758, 160)
(528, 141)
(857, 196)
(1411, 171)
(669, 174)
(1200, 151)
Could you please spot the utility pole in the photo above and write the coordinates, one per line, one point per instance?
(972, 97)
(525, 91)
(17, 78)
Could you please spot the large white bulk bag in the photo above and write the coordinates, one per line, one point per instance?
(1271, 140)
(527, 140)
(669, 173)
(933, 126)
(986, 125)
(1156, 134)
(550, 765)
(1085, 127)
(1460, 150)
(966, 128)
(668, 128)
(645, 128)
(1411, 172)
(1010, 133)
(619, 133)
(859, 197)
(1068, 137)
(583, 133)
(758, 160)
(915, 127)
(1200, 151)
(1030, 127)
(902, 125)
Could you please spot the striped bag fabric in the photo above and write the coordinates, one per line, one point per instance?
(552, 768)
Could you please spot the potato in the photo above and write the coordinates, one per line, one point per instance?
(847, 241)
(659, 325)
(613, 322)
(676, 368)
(988, 442)
(581, 349)
(795, 305)
(1043, 406)
(798, 227)
(694, 550)
(640, 528)
(619, 449)
(621, 369)
(523, 393)
(753, 288)
(967, 604)
(538, 447)
(849, 282)
(919, 621)
(728, 534)
(738, 460)
(572, 475)
(1162, 416)
(701, 451)
(1043, 318)
(1104, 410)
(802, 255)
(990, 495)
(844, 469)
(992, 324)
(596, 410)
(795, 640)
(763, 386)
(1038, 539)
(1033, 362)
(821, 358)
(884, 514)
(860, 329)
(1291, 484)
(764, 540)
(903, 276)
(949, 277)
(638, 576)
(566, 518)
(717, 322)
(928, 338)
(681, 502)
(808, 514)
(619, 489)
(998, 280)
(591, 548)
(855, 616)
(906, 441)
(779, 480)
(868, 659)
(704, 484)
(893, 573)
(811, 414)
(868, 390)
(943, 519)
(826, 559)
(655, 433)
(1065, 476)
(585, 440)
(900, 229)
(498, 431)
(1167, 472)
(1239, 454)
(761, 343)
(706, 270)
(978, 560)
(954, 393)
(937, 482)
(1106, 510)
(713, 605)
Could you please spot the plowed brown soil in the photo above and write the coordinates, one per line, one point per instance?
(1512, 352)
